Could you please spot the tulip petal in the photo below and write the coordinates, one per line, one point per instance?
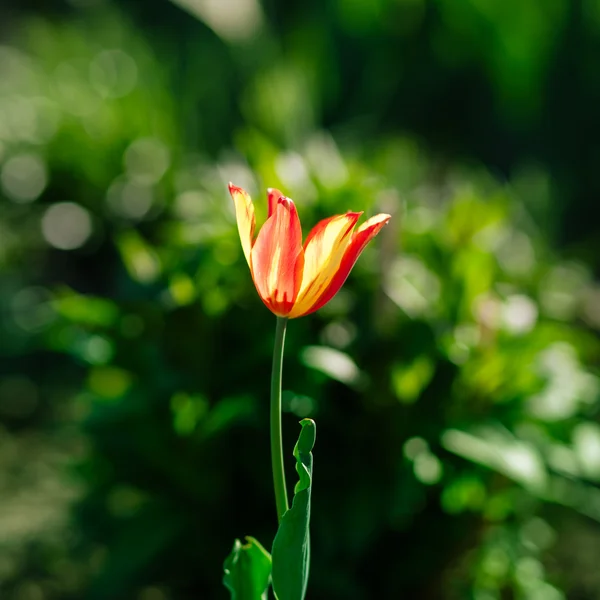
(277, 259)
(323, 252)
(273, 196)
(244, 214)
(360, 238)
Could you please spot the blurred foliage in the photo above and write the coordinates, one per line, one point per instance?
(457, 371)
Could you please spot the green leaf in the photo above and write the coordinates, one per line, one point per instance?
(85, 310)
(291, 547)
(247, 571)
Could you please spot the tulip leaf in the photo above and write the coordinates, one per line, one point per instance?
(291, 547)
(247, 571)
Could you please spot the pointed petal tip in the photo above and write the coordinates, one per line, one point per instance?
(287, 202)
(353, 218)
(360, 238)
(273, 195)
(375, 222)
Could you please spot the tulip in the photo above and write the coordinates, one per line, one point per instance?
(292, 279)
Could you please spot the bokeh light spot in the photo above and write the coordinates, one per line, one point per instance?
(291, 169)
(187, 411)
(182, 289)
(412, 286)
(301, 406)
(113, 73)
(24, 177)
(147, 160)
(562, 288)
(326, 161)
(520, 314)
(109, 382)
(76, 94)
(141, 261)
(339, 334)
(66, 225)
(415, 446)
(130, 199)
(32, 308)
(233, 20)
(191, 205)
(537, 534)
(586, 444)
(97, 350)
(428, 468)
(335, 364)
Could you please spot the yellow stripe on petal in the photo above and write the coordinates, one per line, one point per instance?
(323, 252)
(360, 238)
(244, 214)
(372, 226)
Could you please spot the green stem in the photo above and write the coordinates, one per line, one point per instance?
(281, 499)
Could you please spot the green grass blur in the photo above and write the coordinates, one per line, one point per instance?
(454, 379)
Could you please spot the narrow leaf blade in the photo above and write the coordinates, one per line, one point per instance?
(291, 547)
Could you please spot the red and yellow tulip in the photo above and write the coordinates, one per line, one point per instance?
(293, 279)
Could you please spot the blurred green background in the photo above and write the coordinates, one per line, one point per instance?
(454, 379)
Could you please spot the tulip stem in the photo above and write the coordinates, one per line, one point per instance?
(281, 499)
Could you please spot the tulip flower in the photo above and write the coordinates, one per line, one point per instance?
(291, 278)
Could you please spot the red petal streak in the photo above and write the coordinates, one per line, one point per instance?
(278, 259)
(273, 196)
(360, 239)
